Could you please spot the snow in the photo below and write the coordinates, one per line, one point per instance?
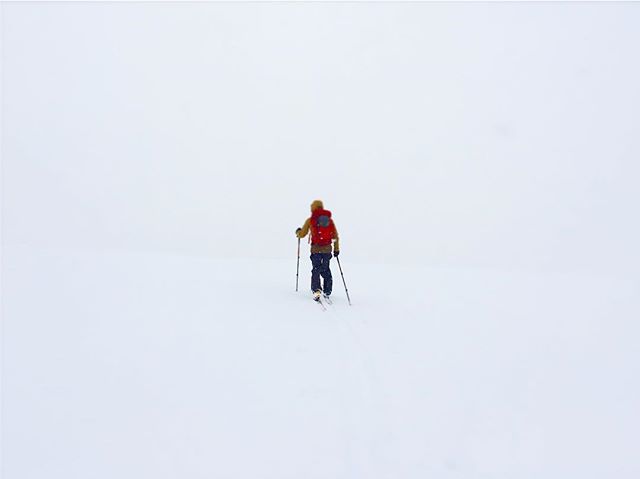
(129, 365)
(481, 164)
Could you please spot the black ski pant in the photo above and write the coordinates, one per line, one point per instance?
(320, 262)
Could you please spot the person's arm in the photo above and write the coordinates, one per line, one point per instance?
(336, 240)
(302, 232)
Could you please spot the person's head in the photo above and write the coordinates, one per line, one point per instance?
(316, 204)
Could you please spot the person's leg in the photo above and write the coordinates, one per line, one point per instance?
(316, 261)
(326, 274)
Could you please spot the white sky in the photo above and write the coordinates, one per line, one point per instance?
(501, 135)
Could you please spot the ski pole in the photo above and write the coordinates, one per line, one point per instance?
(298, 265)
(343, 282)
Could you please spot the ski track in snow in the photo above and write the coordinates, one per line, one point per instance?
(361, 387)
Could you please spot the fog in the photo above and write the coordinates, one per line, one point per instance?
(481, 161)
(499, 135)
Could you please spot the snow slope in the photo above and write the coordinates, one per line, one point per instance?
(481, 164)
(143, 365)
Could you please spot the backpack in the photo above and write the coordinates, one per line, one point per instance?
(322, 228)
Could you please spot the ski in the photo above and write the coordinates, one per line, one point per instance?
(327, 298)
(319, 301)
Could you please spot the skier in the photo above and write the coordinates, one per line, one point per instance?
(323, 234)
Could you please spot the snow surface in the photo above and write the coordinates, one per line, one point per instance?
(144, 365)
(481, 162)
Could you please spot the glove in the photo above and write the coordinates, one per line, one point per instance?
(298, 231)
(336, 253)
